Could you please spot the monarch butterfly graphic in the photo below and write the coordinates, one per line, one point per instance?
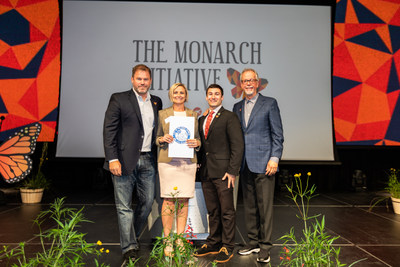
(15, 163)
(234, 78)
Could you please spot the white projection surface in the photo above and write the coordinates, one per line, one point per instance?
(197, 44)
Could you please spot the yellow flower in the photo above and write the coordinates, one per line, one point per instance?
(107, 251)
(297, 175)
(99, 243)
(309, 173)
(175, 188)
(102, 250)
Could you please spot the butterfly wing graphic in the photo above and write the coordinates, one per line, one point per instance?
(263, 84)
(15, 163)
(234, 78)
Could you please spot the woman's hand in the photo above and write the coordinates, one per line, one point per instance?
(166, 139)
(192, 143)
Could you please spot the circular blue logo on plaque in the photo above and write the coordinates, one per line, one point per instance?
(181, 134)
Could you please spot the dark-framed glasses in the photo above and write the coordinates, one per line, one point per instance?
(249, 81)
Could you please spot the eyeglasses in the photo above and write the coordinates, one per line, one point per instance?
(250, 81)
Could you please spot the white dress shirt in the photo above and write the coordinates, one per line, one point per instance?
(146, 110)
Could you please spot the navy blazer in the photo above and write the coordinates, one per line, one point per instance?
(263, 136)
(123, 131)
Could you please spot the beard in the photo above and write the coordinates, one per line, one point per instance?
(141, 89)
(250, 92)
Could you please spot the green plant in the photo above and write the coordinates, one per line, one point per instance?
(182, 254)
(60, 246)
(392, 188)
(183, 249)
(315, 247)
(393, 184)
(131, 263)
(38, 179)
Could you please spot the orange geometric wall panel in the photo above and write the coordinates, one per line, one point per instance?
(29, 65)
(366, 66)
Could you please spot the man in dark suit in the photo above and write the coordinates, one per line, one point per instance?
(220, 159)
(263, 138)
(129, 134)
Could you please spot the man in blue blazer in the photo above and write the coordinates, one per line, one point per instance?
(263, 138)
(129, 133)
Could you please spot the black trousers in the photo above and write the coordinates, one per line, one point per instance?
(258, 198)
(221, 212)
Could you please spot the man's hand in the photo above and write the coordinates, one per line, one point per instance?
(231, 179)
(115, 168)
(272, 168)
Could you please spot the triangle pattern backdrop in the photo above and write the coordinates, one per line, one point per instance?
(366, 65)
(29, 65)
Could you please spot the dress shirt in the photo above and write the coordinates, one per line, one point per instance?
(146, 110)
(248, 108)
(215, 113)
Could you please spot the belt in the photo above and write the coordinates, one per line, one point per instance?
(144, 153)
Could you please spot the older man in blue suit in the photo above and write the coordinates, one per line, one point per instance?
(263, 137)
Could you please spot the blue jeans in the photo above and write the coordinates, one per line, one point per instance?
(142, 182)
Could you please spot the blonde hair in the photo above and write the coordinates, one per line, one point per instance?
(173, 87)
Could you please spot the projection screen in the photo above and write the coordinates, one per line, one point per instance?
(197, 44)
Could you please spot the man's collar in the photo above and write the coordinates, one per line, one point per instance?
(217, 109)
(139, 97)
(253, 99)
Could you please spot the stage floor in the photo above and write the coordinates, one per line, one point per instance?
(373, 236)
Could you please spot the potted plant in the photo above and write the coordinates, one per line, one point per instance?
(33, 187)
(393, 191)
(393, 187)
